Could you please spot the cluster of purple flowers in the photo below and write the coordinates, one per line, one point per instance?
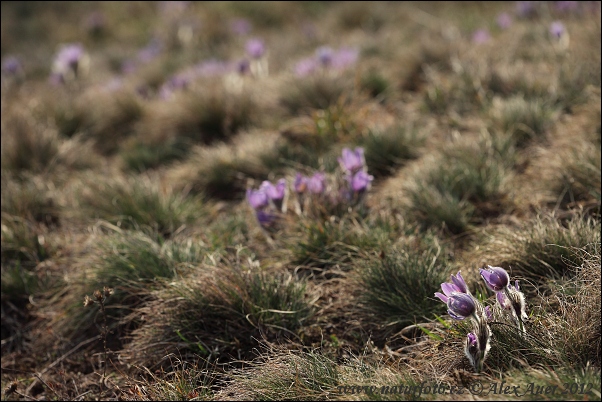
(461, 305)
(530, 9)
(327, 58)
(269, 200)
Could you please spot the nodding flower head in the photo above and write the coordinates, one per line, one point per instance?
(352, 161)
(495, 278)
(477, 346)
(460, 305)
(315, 184)
(257, 198)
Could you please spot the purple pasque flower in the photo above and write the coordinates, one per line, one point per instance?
(360, 181)
(344, 58)
(316, 183)
(325, 55)
(478, 344)
(300, 184)
(276, 192)
(481, 36)
(352, 161)
(457, 285)
(255, 48)
(258, 199)
(243, 67)
(461, 306)
(305, 67)
(265, 218)
(68, 59)
(504, 20)
(557, 29)
(496, 278)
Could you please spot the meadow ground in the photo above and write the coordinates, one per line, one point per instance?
(145, 258)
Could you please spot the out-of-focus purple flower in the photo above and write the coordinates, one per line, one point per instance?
(305, 67)
(344, 58)
(243, 67)
(255, 48)
(212, 67)
(315, 184)
(525, 9)
(481, 36)
(566, 6)
(274, 192)
(325, 55)
(68, 58)
(11, 66)
(300, 184)
(240, 26)
(504, 20)
(557, 29)
(496, 278)
(360, 181)
(352, 161)
(258, 199)
(461, 305)
(265, 218)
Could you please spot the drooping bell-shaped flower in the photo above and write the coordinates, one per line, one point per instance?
(496, 278)
(324, 55)
(352, 161)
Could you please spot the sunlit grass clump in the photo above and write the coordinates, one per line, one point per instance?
(463, 186)
(543, 247)
(399, 285)
(135, 203)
